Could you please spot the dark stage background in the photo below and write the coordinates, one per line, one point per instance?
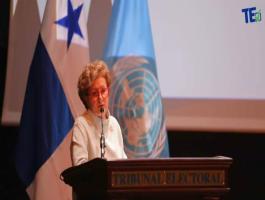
(247, 175)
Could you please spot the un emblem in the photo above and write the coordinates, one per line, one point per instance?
(136, 102)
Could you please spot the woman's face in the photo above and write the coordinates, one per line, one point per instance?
(98, 96)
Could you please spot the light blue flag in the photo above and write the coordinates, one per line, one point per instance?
(135, 98)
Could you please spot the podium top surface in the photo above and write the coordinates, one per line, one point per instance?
(220, 160)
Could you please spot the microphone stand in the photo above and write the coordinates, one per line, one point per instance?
(102, 137)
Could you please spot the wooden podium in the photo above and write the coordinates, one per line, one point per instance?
(173, 178)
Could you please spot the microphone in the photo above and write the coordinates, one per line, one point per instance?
(102, 137)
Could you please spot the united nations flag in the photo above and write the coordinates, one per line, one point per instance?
(135, 98)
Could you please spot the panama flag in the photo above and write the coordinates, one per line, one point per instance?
(136, 98)
(51, 101)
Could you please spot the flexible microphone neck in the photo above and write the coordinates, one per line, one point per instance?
(102, 137)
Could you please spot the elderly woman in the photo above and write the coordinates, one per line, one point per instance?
(96, 133)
